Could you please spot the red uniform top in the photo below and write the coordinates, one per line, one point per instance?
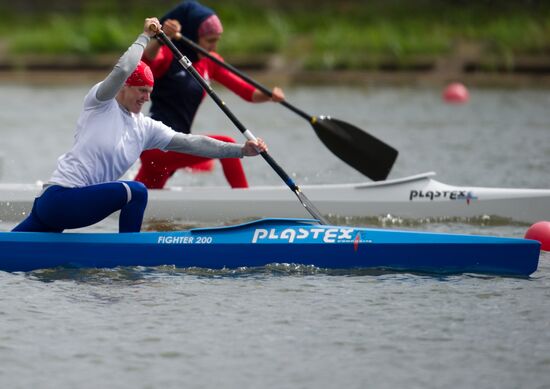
(207, 68)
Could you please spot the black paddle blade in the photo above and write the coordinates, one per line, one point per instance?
(360, 150)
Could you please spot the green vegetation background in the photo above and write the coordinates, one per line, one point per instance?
(320, 34)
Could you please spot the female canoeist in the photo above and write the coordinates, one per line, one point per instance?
(111, 133)
(177, 96)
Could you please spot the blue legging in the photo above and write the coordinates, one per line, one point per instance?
(60, 208)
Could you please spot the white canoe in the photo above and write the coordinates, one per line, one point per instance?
(415, 197)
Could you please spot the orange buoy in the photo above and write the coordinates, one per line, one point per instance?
(540, 231)
(456, 93)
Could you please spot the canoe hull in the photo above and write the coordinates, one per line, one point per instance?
(412, 197)
(274, 241)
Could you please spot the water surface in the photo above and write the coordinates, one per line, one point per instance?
(290, 326)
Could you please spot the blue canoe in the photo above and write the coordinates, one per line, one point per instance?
(267, 241)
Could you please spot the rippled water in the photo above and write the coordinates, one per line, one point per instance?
(273, 328)
(286, 326)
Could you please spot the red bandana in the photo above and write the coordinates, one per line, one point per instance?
(142, 76)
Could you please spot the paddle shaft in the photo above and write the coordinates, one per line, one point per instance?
(184, 61)
(242, 75)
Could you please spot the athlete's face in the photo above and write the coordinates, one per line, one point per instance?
(209, 42)
(134, 97)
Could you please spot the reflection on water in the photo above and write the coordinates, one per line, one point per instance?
(391, 221)
(135, 276)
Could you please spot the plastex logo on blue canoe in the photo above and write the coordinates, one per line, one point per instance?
(325, 235)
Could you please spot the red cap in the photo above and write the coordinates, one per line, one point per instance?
(142, 76)
(210, 25)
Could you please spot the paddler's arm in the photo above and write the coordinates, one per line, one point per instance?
(205, 146)
(109, 87)
(171, 28)
(239, 86)
(277, 95)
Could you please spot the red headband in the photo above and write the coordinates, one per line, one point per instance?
(142, 76)
(210, 25)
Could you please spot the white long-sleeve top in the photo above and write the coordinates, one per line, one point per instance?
(109, 139)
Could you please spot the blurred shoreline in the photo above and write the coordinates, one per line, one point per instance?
(351, 42)
(74, 74)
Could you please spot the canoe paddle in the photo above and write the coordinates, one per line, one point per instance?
(362, 151)
(186, 64)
